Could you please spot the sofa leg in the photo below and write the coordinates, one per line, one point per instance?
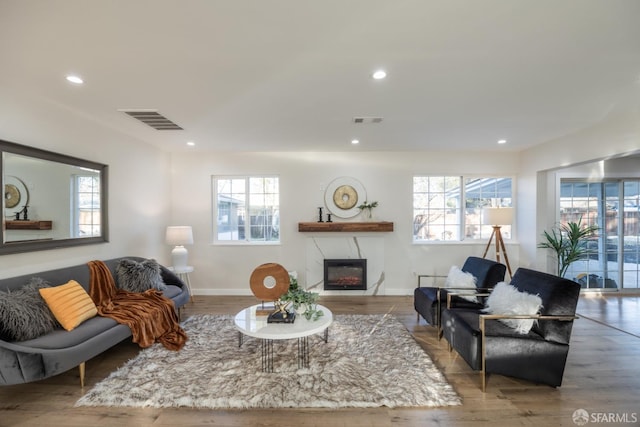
(81, 367)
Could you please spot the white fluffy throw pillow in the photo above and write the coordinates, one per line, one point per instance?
(460, 279)
(506, 299)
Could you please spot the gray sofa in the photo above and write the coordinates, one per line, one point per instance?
(60, 350)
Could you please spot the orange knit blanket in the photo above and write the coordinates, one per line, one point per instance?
(150, 316)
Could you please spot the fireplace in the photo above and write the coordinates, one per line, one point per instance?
(345, 274)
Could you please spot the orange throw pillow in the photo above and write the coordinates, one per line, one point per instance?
(70, 304)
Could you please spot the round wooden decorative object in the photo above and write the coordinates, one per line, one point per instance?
(345, 197)
(269, 281)
(11, 196)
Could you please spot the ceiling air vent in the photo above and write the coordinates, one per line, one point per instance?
(153, 119)
(367, 120)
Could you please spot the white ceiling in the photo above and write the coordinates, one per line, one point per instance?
(291, 74)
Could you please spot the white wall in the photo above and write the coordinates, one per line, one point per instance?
(144, 198)
(386, 176)
(616, 135)
(139, 185)
(44, 201)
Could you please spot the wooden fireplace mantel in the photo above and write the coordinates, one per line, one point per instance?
(346, 227)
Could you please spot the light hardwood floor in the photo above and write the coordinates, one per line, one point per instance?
(602, 376)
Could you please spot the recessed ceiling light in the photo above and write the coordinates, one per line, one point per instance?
(75, 79)
(355, 141)
(191, 143)
(502, 141)
(380, 74)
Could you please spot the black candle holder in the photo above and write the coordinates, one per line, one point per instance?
(320, 214)
(329, 217)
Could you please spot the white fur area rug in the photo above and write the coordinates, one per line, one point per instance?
(369, 361)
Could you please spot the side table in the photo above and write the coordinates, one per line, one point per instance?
(183, 274)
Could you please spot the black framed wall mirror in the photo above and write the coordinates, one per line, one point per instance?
(51, 200)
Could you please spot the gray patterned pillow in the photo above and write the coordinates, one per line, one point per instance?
(134, 276)
(24, 315)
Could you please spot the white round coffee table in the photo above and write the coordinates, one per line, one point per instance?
(253, 325)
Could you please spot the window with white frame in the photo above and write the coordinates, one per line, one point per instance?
(246, 209)
(612, 255)
(86, 206)
(449, 208)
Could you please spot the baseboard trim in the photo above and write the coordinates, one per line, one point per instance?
(247, 292)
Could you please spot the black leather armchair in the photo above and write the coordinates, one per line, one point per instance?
(428, 301)
(490, 346)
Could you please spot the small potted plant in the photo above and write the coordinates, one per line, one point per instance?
(369, 208)
(304, 302)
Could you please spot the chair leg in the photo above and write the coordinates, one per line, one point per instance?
(81, 367)
(438, 316)
(483, 351)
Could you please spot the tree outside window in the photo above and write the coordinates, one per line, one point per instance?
(449, 208)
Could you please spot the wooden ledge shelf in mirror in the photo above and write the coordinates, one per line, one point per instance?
(348, 227)
(28, 225)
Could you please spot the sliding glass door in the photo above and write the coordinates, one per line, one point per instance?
(612, 260)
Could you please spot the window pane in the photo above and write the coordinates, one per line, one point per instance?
(631, 234)
(265, 222)
(87, 206)
(481, 193)
(444, 210)
(231, 209)
(247, 209)
(594, 203)
(436, 208)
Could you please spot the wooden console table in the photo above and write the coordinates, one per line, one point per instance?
(348, 227)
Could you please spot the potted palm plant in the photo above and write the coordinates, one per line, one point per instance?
(568, 241)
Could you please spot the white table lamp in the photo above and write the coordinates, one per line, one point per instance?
(178, 236)
(497, 217)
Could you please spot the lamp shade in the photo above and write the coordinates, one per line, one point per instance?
(497, 216)
(179, 235)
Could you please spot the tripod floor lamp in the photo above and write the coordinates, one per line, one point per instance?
(497, 217)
